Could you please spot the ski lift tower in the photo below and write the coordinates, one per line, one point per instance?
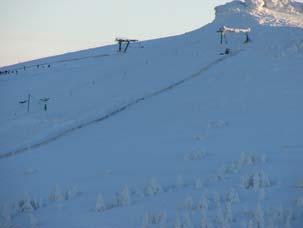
(223, 30)
(122, 41)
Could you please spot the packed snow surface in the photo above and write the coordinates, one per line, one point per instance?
(172, 133)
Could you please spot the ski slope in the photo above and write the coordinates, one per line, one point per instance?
(169, 134)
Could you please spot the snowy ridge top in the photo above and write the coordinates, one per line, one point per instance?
(268, 12)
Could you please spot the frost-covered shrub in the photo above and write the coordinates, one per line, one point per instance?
(28, 204)
(217, 124)
(251, 159)
(145, 222)
(56, 194)
(188, 203)
(299, 201)
(25, 206)
(137, 193)
(71, 193)
(155, 219)
(204, 223)
(100, 205)
(187, 222)
(256, 181)
(33, 221)
(195, 155)
(203, 204)
(198, 183)
(217, 200)
(232, 196)
(5, 217)
(259, 216)
(228, 169)
(250, 224)
(261, 195)
(219, 176)
(228, 212)
(300, 184)
(152, 188)
(177, 223)
(123, 198)
(220, 220)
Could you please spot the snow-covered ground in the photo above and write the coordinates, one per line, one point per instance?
(169, 134)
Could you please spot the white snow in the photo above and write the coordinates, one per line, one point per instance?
(169, 134)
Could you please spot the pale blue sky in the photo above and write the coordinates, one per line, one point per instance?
(37, 28)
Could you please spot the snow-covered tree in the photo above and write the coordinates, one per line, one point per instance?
(100, 205)
(123, 198)
(177, 223)
(259, 216)
(187, 222)
(228, 212)
(145, 222)
(33, 221)
(232, 196)
(153, 187)
(56, 194)
(203, 203)
(198, 183)
(188, 203)
(5, 216)
(262, 194)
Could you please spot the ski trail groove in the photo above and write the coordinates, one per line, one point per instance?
(118, 110)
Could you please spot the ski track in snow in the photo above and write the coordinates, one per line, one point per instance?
(120, 109)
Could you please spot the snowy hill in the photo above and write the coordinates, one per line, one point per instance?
(169, 134)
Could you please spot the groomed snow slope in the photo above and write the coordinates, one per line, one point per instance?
(223, 149)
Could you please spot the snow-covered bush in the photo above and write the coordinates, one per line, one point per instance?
(228, 212)
(100, 205)
(5, 217)
(137, 192)
(259, 216)
(232, 196)
(154, 219)
(299, 201)
(56, 194)
(71, 193)
(204, 222)
(28, 204)
(177, 223)
(217, 199)
(217, 124)
(256, 181)
(198, 183)
(228, 169)
(187, 222)
(300, 184)
(261, 195)
(251, 159)
(152, 188)
(188, 203)
(220, 220)
(145, 222)
(203, 203)
(195, 155)
(123, 198)
(33, 221)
